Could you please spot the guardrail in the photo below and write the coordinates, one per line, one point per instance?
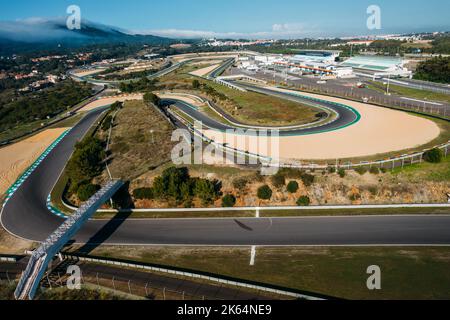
(190, 274)
(391, 163)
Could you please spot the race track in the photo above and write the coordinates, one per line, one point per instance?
(25, 215)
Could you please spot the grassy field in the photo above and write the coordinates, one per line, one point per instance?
(439, 172)
(140, 140)
(411, 93)
(407, 273)
(257, 109)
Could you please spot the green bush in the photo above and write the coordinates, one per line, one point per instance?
(361, 170)
(374, 170)
(307, 179)
(342, 173)
(331, 169)
(303, 201)
(292, 187)
(107, 123)
(195, 84)
(143, 193)
(433, 156)
(264, 192)
(278, 180)
(151, 98)
(86, 191)
(228, 201)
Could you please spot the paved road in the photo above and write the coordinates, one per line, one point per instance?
(26, 216)
(344, 86)
(347, 116)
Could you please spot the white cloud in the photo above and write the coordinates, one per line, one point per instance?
(278, 31)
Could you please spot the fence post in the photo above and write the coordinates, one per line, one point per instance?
(129, 286)
(98, 284)
(7, 277)
(146, 291)
(114, 285)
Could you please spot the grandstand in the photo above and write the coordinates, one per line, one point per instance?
(381, 65)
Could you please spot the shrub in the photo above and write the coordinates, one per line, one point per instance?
(433, 156)
(374, 170)
(292, 187)
(373, 190)
(107, 123)
(279, 180)
(228, 201)
(331, 169)
(361, 170)
(151, 98)
(240, 183)
(205, 190)
(264, 192)
(303, 201)
(86, 191)
(307, 179)
(143, 193)
(383, 170)
(342, 173)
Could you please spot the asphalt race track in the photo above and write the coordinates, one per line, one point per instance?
(25, 215)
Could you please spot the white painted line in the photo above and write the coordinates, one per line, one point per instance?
(422, 101)
(252, 256)
(257, 213)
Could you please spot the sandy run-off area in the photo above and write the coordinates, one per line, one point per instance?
(204, 71)
(102, 102)
(88, 72)
(379, 131)
(16, 158)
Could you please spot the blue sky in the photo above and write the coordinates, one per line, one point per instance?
(245, 18)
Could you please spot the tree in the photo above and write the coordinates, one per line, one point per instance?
(433, 156)
(143, 193)
(86, 191)
(228, 201)
(195, 84)
(292, 187)
(435, 70)
(265, 193)
(205, 190)
(303, 201)
(151, 98)
(86, 162)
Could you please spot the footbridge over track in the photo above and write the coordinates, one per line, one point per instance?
(42, 256)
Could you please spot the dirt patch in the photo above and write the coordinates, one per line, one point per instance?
(16, 158)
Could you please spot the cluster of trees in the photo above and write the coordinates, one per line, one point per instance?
(176, 184)
(435, 70)
(197, 85)
(46, 103)
(143, 84)
(85, 164)
(151, 98)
